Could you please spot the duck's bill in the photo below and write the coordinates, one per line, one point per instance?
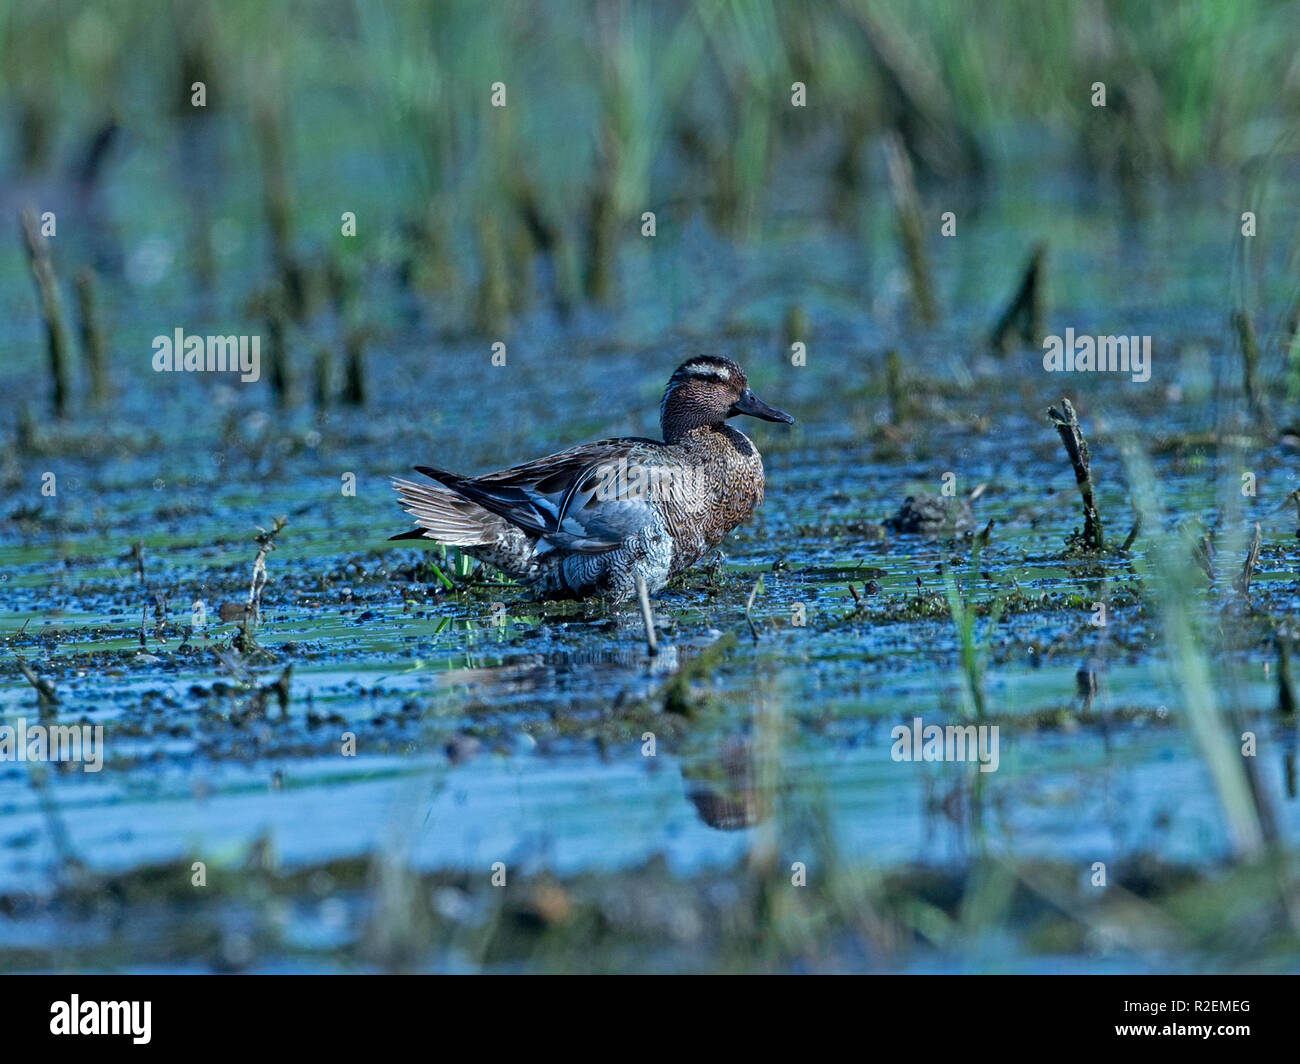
(751, 404)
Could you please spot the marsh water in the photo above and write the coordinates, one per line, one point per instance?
(431, 732)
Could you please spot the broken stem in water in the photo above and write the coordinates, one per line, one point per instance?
(46, 695)
(647, 616)
(92, 335)
(1250, 370)
(47, 287)
(911, 228)
(1025, 314)
(265, 540)
(1076, 447)
(1286, 700)
(749, 606)
(1248, 568)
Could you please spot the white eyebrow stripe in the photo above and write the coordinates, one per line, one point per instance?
(706, 369)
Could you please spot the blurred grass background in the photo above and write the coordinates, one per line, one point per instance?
(612, 109)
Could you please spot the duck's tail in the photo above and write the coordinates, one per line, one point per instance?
(446, 517)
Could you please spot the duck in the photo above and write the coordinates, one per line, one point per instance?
(615, 517)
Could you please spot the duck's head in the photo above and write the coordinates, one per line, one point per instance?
(704, 392)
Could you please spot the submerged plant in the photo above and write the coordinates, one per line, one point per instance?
(974, 652)
(1165, 568)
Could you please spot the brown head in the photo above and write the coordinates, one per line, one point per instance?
(704, 392)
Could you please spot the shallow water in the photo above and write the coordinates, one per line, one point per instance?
(484, 736)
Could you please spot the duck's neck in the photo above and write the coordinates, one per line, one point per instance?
(680, 422)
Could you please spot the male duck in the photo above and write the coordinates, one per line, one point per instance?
(602, 517)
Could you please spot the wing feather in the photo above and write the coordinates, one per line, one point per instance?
(556, 498)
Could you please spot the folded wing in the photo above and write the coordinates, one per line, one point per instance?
(568, 500)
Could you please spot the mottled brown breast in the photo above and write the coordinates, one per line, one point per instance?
(724, 487)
